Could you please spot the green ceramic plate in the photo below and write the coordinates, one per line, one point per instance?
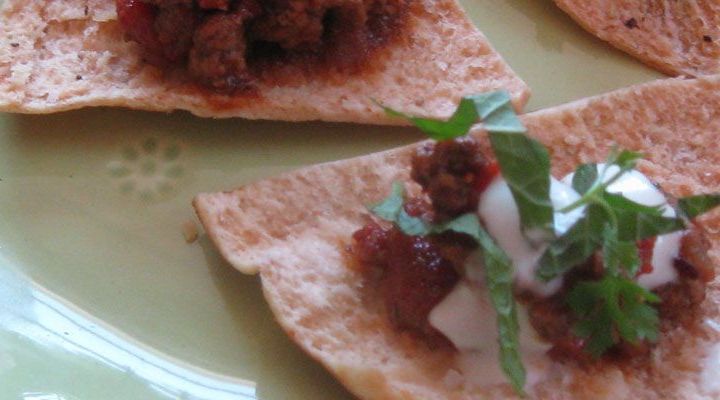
(100, 295)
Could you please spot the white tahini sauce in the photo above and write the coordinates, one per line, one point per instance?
(499, 213)
(467, 318)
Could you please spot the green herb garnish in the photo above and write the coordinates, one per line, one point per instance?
(616, 307)
(389, 208)
(499, 278)
(494, 109)
(693, 206)
(619, 255)
(584, 178)
(612, 308)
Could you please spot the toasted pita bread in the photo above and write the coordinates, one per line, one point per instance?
(293, 231)
(675, 37)
(59, 55)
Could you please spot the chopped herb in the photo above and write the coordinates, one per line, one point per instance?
(389, 208)
(625, 159)
(494, 109)
(636, 221)
(611, 309)
(458, 125)
(584, 178)
(412, 226)
(619, 256)
(693, 206)
(530, 187)
(571, 249)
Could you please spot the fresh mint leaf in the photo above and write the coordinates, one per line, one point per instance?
(464, 117)
(619, 255)
(494, 109)
(637, 221)
(468, 224)
(499, 278)
(625, 159)
(412, 226)
(575, 246)
(390, 207)
(525, 165)
(693, 206)
(612, 308)
(585, 177)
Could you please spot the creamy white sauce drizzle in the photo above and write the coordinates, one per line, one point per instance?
(499, 213)
(467, 318)
(665, 251)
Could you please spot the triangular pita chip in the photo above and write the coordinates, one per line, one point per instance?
(676, 37)
(293, 230)
(58, 55)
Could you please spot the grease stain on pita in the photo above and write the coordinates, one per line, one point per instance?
(149, 170)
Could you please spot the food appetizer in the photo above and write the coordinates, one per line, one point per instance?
(568, 253)
(675, 37)
(284, 60)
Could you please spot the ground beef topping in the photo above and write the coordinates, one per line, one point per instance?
(453, 173)
(225, 44)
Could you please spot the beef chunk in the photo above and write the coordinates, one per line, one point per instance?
(217, 58)
(694, 250)
(214, 4)
(680, 301)
(347, 37)
(292, 24)
(448, 171)
(174, 28)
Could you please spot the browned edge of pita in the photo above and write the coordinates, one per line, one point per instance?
(674, 37)
(294, 230)
(58, 55)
